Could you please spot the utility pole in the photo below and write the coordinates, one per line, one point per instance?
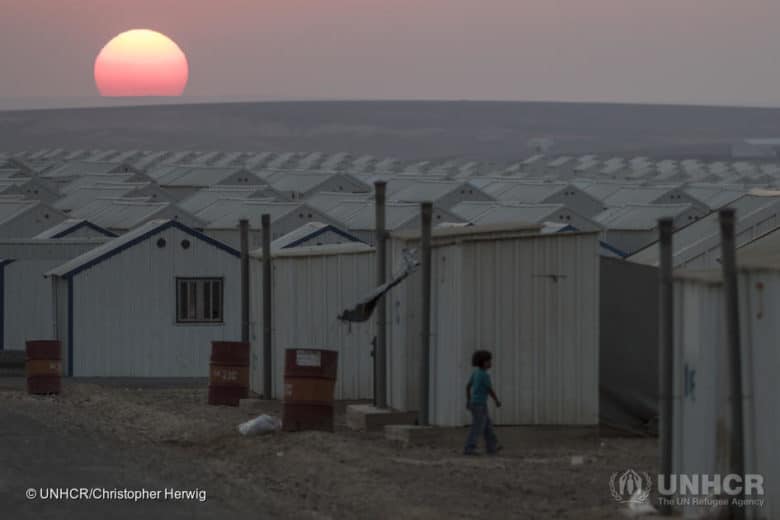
(380, 346)
(267, 303)
(731, 296)
(244, 231)
(666, 355)
(425, 314)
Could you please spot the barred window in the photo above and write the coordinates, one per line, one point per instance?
(199, 300)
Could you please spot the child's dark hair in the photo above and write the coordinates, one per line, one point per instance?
(480, 357)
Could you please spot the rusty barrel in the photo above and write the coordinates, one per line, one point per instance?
(309, 382)
(43, 367)
(228, 372)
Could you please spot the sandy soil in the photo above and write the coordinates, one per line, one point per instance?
(345, 474)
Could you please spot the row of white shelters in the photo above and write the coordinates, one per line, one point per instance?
(757, 171)
(314, 234)
(223, 218)
(208, 196)
(26, 307)
(527, 192)
(300, 185)
(532, 299)
(122, 214)
(80, 197)
(634, 226)
(147, 304)
(184, 181)
(74, 228)
(443, 194)
(359, 217)
(33, 188)
(697, 246)
(489, 213)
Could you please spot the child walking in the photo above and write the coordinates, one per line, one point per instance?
(478, 389)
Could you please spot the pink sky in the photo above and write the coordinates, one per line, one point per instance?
(677, 51)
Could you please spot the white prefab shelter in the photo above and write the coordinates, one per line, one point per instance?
(224, 217)
(34, 189)
(655, 195)
(702, 424)
(444, 194)
(300, 185)
(26, 218)
(26, 308)
(531, 299)
(697, 246)
(360, 217)
(75, 228)
(633, 227)
(122, 214)
(527, 192)
(147, 304)
(311, 287)
(314, 234)
(492, 213)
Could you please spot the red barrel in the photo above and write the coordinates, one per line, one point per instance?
(309, 383)
(44, 367)
(228, 372)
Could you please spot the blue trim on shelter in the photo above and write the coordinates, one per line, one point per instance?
(322, 230)
(3, 263)
(612, 249)
(171, 223)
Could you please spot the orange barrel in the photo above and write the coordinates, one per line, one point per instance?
(309, 382)
(228, 372)
(44, 367)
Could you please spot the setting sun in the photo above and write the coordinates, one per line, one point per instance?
(141, 62)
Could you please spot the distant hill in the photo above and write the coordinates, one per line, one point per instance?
(487, 131)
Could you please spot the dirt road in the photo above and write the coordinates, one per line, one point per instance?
(117, 436)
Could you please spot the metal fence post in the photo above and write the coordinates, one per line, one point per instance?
(665, 355)
(731, 297)
(425, 314)
(267, 314)
(380, 348)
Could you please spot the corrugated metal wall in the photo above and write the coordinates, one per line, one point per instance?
(700, 380)
(28, 295)
(760, 306)
(125, 310)
(533, 301)
(702, 427)
(309, 292)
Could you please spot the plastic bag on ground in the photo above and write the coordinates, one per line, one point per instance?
(260, 425)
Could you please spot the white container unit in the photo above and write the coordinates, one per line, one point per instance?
(702, 428)
(26, 307)
(531, 299)
(147, 304)
(311, 287)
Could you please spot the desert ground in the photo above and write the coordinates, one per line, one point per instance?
(129, 434)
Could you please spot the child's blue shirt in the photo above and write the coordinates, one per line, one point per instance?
(480, 386)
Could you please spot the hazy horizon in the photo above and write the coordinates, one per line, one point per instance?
(75, 102)
(485, 131)
(602, 51)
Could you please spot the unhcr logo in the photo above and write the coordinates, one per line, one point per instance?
(630, 487)
(702, 490)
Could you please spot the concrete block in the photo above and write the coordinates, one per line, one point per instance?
(410, 434)
(365, 417)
